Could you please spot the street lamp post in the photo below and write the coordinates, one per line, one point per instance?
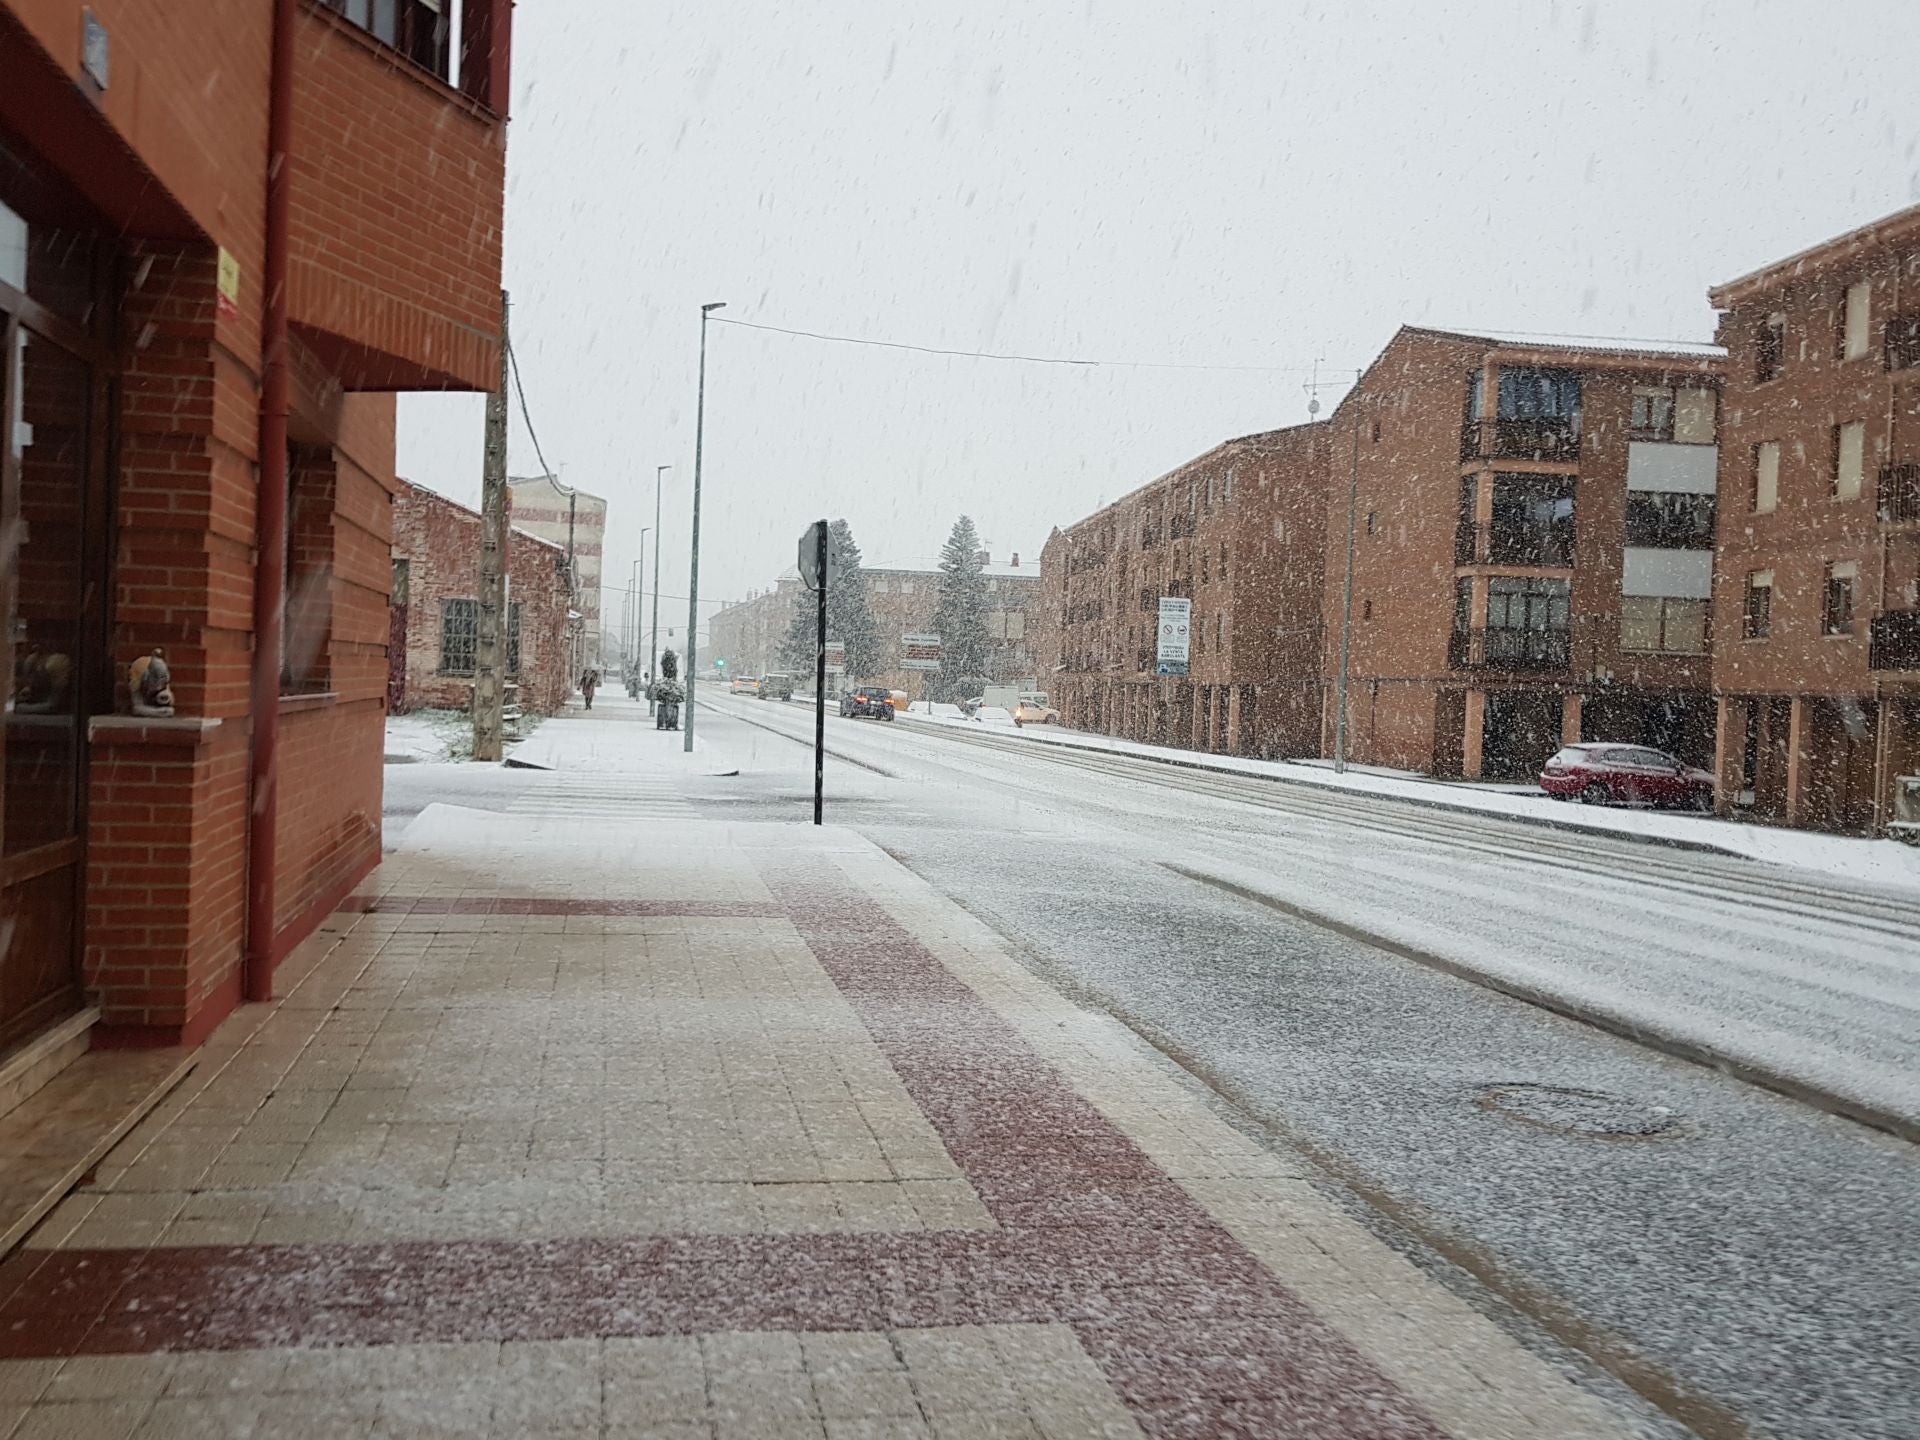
(653, 634)
(693, 563)
(636, 586)
(1346, 596)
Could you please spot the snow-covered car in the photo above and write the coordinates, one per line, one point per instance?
(1626, 775)
(870, 700)
(1034, 710)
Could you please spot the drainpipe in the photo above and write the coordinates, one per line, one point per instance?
(270, 541)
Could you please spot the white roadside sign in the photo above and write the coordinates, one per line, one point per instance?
(1170, 654)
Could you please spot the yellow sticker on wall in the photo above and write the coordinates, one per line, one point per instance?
(228, 281)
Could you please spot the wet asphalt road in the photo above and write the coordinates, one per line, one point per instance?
(1748, 1268)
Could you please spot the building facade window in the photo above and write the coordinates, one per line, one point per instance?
(1652, 416)
(1837, 611)
(1849, 458)
(421, 30)
(1669, 520)
(1853, 326)
(1766, 477)
(1903, 342)
(1769, 348)
(1533, 518)
(1663, 623)
(1757, 616)
(1527, 620)
(459, 636)
(1537, 392)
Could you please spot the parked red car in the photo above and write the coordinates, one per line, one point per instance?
(1626, 775)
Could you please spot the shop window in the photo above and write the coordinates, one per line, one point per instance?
(1757, 618)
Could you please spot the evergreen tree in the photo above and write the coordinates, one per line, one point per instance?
(960, 613)
(849, 618)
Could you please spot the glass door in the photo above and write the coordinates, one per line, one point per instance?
(53, 565)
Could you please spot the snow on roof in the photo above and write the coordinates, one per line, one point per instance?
(1608, 344)
(1029, 566)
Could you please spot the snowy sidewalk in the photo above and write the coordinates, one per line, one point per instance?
(594, 1125)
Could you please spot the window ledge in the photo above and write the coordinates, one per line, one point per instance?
(150, 729)
(401, 63)
(308, 700)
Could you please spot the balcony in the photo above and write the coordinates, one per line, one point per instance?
(1508, 649)
(1899, 494)
(1554, 438)
(1893, 640)
(1510, 545)
(398, 197)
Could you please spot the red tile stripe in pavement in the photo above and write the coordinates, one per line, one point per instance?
(1193, 1333)
(508, 905)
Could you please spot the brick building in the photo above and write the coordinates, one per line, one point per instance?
(902, 596)
(228, 232)
(1533, 528)
(577, 523)
(747, 635)
(1241, 532)
(436, 609)
(1817, 589)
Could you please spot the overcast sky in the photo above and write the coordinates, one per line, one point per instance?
(1250, 185)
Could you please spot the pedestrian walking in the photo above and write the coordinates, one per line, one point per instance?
(589, 682)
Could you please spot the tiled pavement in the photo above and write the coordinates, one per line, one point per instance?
(610, 1126)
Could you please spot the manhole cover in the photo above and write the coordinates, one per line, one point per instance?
(1582, 1112)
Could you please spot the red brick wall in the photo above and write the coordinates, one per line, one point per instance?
(441, 542)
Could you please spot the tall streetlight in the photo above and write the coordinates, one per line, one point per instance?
(636, 587)
(693, 564)
(653, 635)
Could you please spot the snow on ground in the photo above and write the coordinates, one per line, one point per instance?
(618, 736)
(1884, 862)
(435, 737)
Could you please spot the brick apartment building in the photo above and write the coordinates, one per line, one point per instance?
(748, 636)
(229, 231)
(902, 596)
(1817, 590)
(1533, 529)
(1241, 532)
(436, 609)
(1532, 561)
(577, 523)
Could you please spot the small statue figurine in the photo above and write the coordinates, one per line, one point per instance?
(150, 685)
(40, 682)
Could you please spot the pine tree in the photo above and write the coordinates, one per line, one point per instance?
(849, 618)
(960, 614)
(797, 646)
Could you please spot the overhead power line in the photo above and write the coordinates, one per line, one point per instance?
(513, 362)
(1020, 359)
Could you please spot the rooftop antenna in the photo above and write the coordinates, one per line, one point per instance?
(1312, 387)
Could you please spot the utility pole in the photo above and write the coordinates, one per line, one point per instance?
(488, 696)
(693, 564)
(1346, 595)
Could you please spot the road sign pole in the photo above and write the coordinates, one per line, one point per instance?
(820, 685)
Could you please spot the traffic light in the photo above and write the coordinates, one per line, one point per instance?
(720, 664)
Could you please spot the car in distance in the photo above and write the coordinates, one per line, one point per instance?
(1602, 774)
(874, 700)
(744, 685)
(1033, 709)
(776, 687)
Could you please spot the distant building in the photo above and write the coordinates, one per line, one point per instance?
(1817, 589)
(436, 607)
(577, 523)
(902, 595)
